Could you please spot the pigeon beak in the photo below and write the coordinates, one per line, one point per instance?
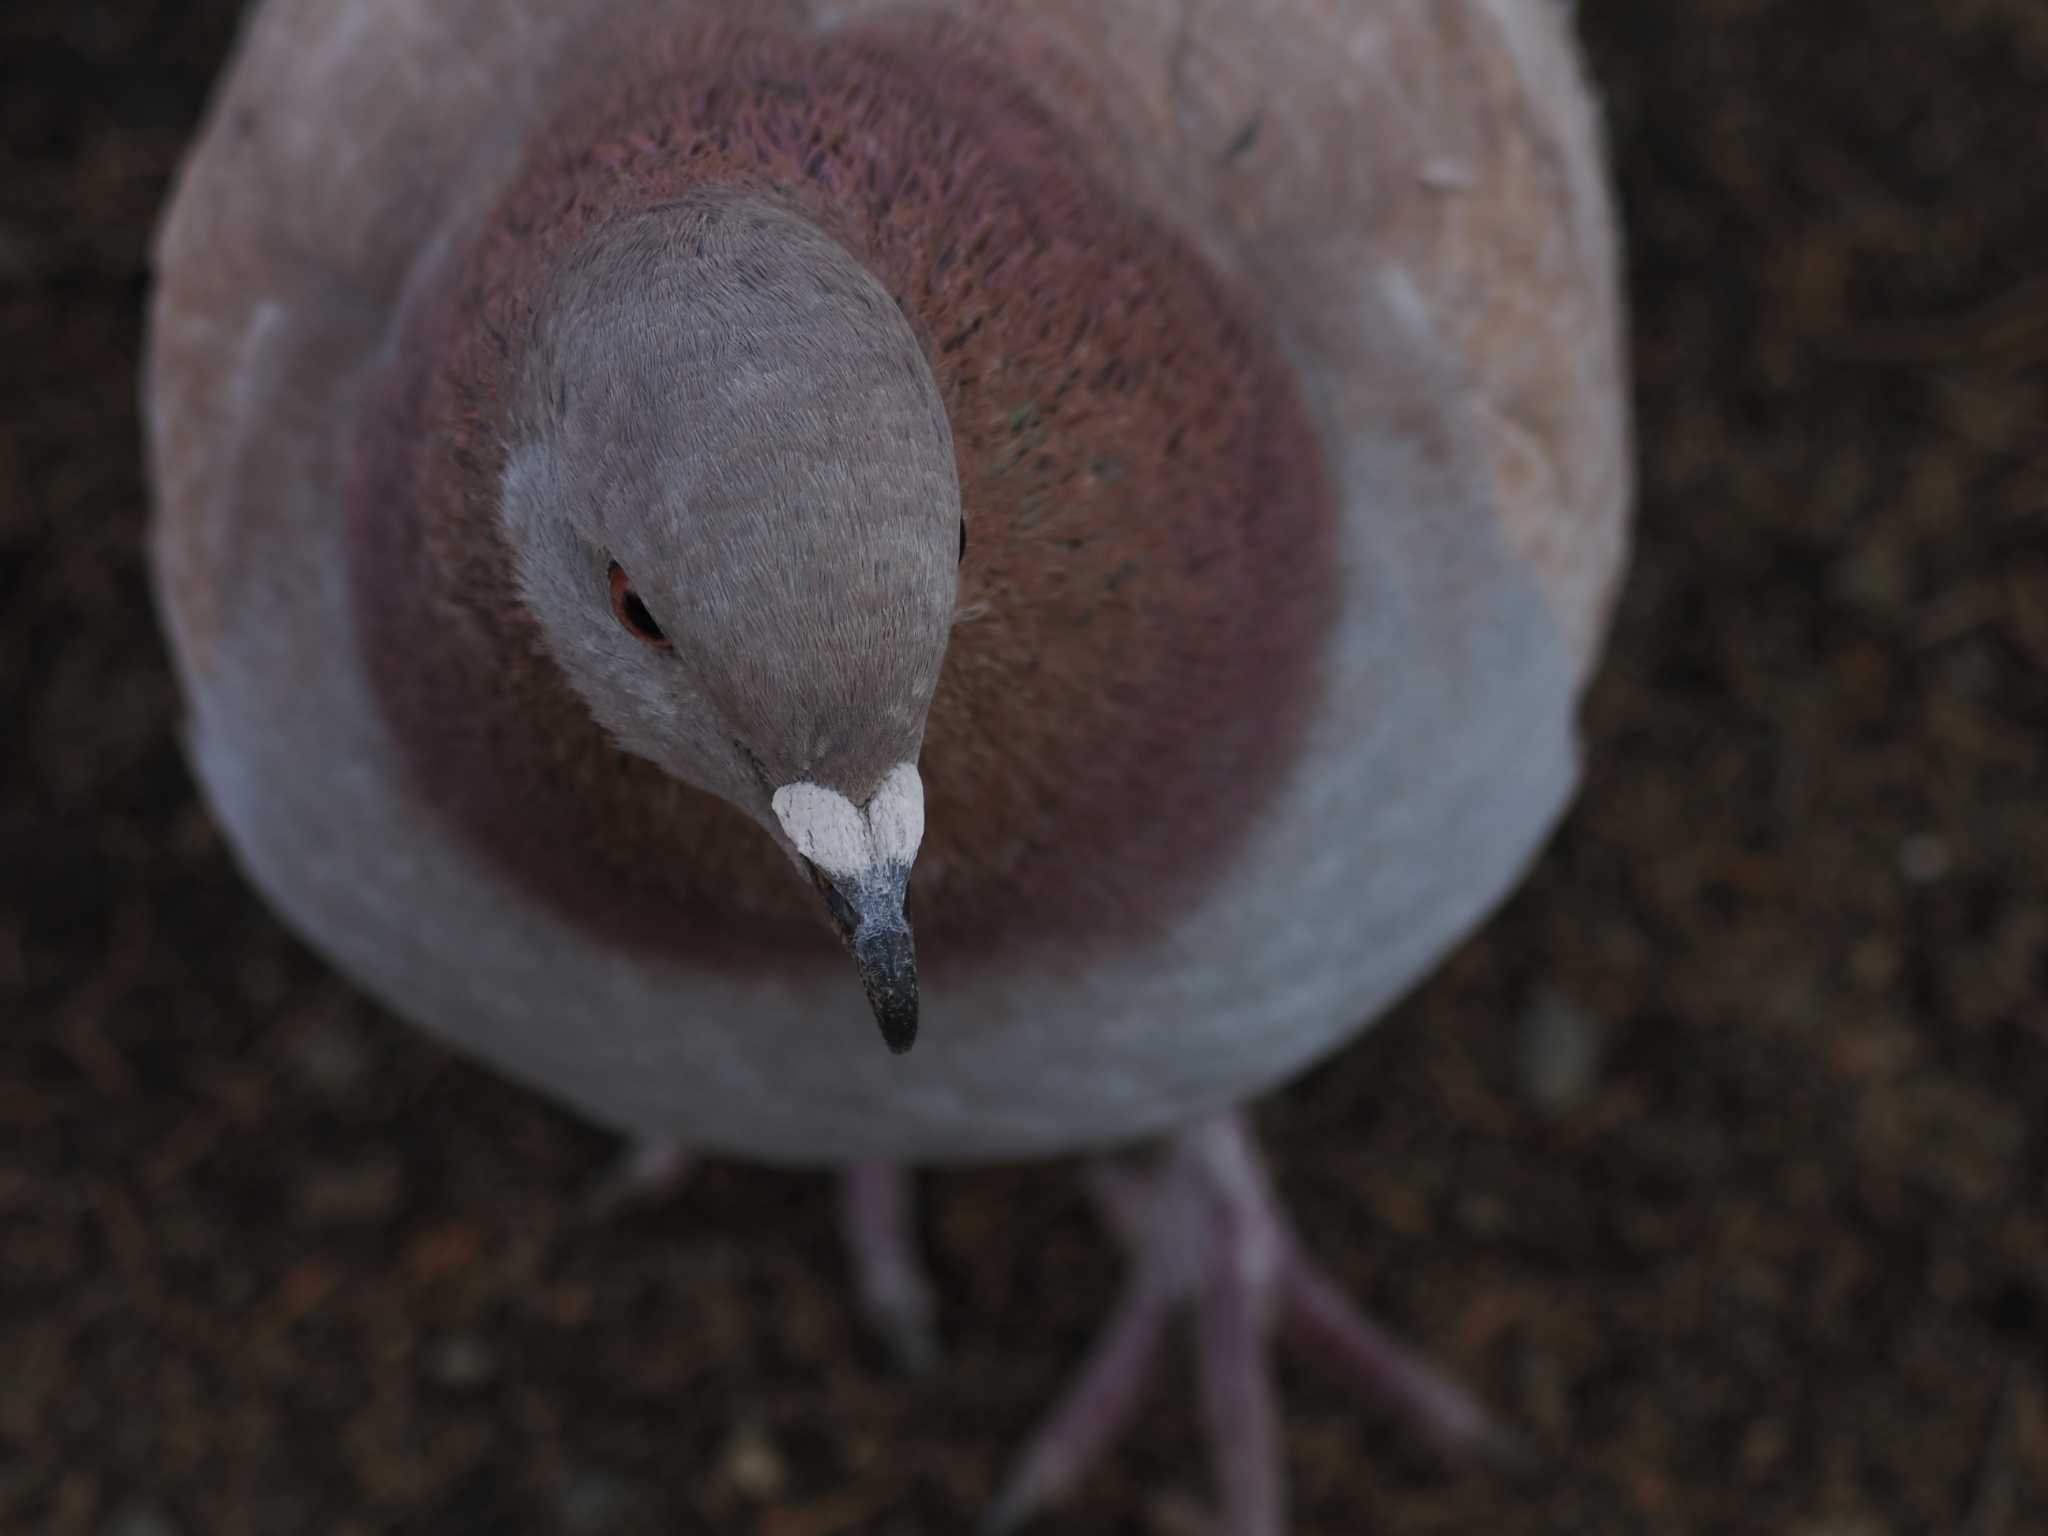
(858, 856)
(868, 916)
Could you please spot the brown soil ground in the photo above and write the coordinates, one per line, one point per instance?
(1769, 1254)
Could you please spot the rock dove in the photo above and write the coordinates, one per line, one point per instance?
(1070, 532)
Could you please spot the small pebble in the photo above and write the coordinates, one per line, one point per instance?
(754, 1464)
(327, 1055)
(1558, 1051)
(1763, 1449)
(1924, 858)
(1876, 575)
(1482, 1215)
(462, 1362)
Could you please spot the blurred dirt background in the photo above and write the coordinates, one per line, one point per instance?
(1718, 1161)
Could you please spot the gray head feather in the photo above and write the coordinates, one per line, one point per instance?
(716, 396)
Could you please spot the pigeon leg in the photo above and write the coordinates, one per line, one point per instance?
(1206, 1235)
(877, 1219)
(1323, 1325)
(1097, 1405)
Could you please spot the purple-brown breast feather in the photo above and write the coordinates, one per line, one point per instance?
(1150, 568)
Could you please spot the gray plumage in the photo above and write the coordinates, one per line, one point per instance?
(1440, 750)
(1281, 321)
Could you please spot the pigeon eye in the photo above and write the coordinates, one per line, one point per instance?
(632, 614)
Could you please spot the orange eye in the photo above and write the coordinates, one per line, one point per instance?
(632, 614)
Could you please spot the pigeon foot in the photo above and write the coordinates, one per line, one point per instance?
(1207, 1235)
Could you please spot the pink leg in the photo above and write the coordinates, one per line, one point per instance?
(1097, 1405)
(1322, 1322)
(877, 1217)
(1207, 1233)
(1237, 1404)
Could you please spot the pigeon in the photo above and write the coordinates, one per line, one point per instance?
(1069, 535)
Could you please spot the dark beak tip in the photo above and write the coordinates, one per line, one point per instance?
(888, 973)
(879, 939)
(898, 1033)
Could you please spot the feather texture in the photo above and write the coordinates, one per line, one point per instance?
(1403, 200)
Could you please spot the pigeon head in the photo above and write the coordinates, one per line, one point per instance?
(731, 493)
